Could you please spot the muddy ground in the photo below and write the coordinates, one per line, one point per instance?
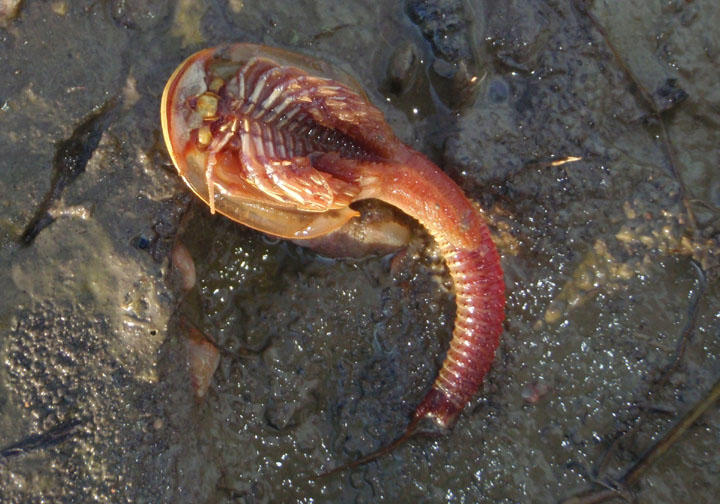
(611, 261)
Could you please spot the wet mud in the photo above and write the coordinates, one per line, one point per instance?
(586, 132)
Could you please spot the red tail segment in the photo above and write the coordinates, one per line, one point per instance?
(420, 189)
(480, 301)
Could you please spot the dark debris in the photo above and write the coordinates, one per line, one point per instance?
(49, 438)
(71, 158)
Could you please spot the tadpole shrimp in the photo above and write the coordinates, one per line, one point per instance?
(284, 143)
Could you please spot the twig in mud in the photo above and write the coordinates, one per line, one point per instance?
(633, 473)
(689, 328)
(54, 436)
(619, 487)
(565, 160)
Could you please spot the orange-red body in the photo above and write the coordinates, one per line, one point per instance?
(285, 143)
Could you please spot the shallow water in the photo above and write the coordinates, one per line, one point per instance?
(322, 360)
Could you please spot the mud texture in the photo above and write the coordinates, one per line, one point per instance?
(611, 260)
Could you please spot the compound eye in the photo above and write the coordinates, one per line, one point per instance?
(207, 105)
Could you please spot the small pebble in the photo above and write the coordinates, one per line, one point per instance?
(533, 392)
(183, 263)
(403, 68)
(203, 359)
(8, 11)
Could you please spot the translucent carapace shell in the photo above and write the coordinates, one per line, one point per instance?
(217, 76)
